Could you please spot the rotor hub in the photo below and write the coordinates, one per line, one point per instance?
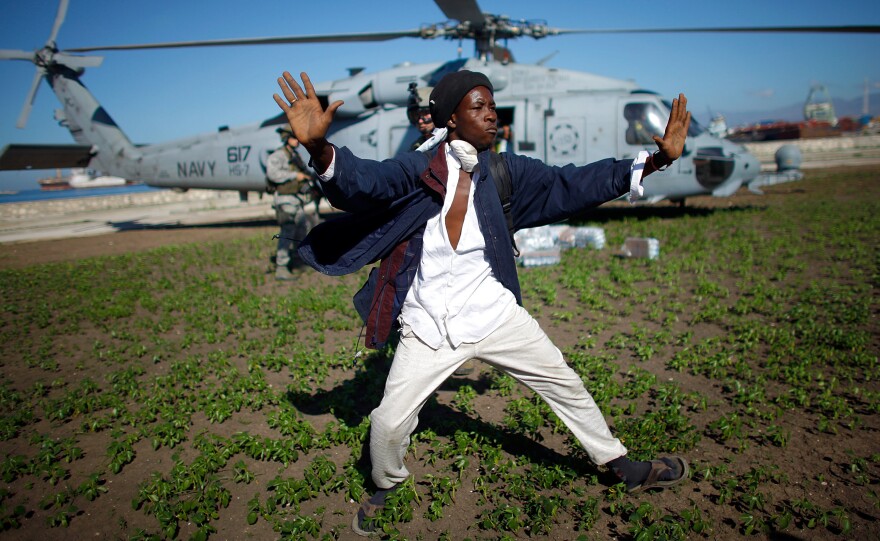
(45, 56)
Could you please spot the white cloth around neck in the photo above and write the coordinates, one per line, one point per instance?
(466, 154)
(464, 151)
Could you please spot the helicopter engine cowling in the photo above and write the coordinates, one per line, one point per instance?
(364, 92)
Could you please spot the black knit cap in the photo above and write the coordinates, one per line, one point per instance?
(448, 93)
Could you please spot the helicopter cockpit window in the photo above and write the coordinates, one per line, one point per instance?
(694, 129)
(644, 120)
(448, 67)
(367, 97)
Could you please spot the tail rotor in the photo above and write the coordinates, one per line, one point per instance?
(47, 59)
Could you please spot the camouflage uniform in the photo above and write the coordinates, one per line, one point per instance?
(291, 194)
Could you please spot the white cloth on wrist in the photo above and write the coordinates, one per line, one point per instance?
(636, 190)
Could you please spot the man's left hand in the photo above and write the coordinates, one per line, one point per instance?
(671, 145)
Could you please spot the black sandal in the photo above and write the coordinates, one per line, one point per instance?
(660, 467)
(364, 522)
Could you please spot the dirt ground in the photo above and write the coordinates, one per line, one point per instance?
(23, 254)
(801, 449)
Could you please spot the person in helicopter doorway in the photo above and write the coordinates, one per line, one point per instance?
(419, 114)
(447, 279)
(291, 184)
(504, 139)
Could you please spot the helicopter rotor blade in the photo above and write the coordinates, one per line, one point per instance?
(69, 60)
(327, 38)
(471, 24)
(13, 54)
(59, 19)
(75, 61)
(29, 101)
(538, 31)
(852, 29)
(462, 10)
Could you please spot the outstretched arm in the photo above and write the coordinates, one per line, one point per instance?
(671, 145)
(308, 120)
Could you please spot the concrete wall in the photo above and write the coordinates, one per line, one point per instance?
(822, 152)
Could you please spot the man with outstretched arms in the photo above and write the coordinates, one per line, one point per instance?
(447, 281)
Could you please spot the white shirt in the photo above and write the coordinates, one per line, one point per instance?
(455, 297)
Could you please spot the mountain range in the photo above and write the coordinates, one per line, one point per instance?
(795, 112)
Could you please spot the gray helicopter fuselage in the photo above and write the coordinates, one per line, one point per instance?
(557, 116)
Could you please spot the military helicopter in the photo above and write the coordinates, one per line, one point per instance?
(559, 116)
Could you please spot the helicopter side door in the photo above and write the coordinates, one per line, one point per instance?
(578, 129)
(564, 133)
(523, 135)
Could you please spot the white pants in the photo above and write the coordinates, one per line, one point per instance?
(520, 348)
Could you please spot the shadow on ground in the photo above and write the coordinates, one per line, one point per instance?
(666, 212)
(134, 225)
(353, 399)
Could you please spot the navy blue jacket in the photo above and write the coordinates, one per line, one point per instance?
(389, 203)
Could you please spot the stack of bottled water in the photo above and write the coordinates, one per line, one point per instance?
(538, 246)
(544, 245)
(581, 237)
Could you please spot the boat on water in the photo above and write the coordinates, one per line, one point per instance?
(54, 183)
(80, 179)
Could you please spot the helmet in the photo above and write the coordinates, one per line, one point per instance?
(417, 102)
(284, 132)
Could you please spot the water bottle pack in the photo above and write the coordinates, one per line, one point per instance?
(544, 245)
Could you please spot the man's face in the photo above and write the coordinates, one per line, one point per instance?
(475, 120)
(424, 122)
(292, 142)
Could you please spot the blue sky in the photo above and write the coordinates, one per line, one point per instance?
(165, 94)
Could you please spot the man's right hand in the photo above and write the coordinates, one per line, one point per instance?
(308, 120)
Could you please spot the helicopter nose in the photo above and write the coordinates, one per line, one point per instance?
(718, 167)
(713, 166)
(748, 166)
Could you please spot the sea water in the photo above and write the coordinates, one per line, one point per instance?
(45, 195)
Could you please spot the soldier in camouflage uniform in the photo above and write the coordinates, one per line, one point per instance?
(291, 182)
